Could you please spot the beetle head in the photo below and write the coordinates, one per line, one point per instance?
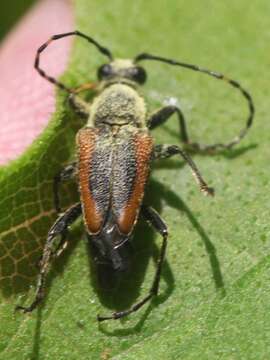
(122, 69)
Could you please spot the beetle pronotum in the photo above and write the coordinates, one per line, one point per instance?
(114, 153)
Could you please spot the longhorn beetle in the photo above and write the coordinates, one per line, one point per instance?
(114, 154)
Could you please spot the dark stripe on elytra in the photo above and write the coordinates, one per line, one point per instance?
(100, 173)
(124, 172)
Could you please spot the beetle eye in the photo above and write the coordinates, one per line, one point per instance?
(104, 71)
(139, 74)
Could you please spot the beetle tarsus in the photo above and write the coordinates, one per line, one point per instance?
(29, 309)
(121, 314)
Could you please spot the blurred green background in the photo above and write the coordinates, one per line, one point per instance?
(10, 12)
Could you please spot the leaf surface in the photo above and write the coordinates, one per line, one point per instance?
(214, 292)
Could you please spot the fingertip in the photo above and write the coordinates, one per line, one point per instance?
(26, 100)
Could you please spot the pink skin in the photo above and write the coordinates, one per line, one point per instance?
(26, 99)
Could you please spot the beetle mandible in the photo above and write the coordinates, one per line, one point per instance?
(114, 153)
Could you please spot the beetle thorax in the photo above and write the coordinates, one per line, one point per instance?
(118, 104)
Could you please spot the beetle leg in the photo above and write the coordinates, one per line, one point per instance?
(159, 225)
(58, 228)
(85, 86)
(59, 249)
(62, 244)
(166, 151)
(155, 220)
(81, 107)
(65, 174)
(160, 116)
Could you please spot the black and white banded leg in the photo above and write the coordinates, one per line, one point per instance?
(81, 107)
(58, 228)
(160, 116)
(151, 216)
(166, 151)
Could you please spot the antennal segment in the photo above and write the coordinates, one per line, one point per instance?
(235, 84)
(51, 79)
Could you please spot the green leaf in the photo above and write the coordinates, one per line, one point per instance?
(214, 296)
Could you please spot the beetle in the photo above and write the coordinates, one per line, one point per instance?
(114, 154)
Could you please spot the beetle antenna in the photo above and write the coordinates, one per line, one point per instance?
(51, 79)
(235, 84)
